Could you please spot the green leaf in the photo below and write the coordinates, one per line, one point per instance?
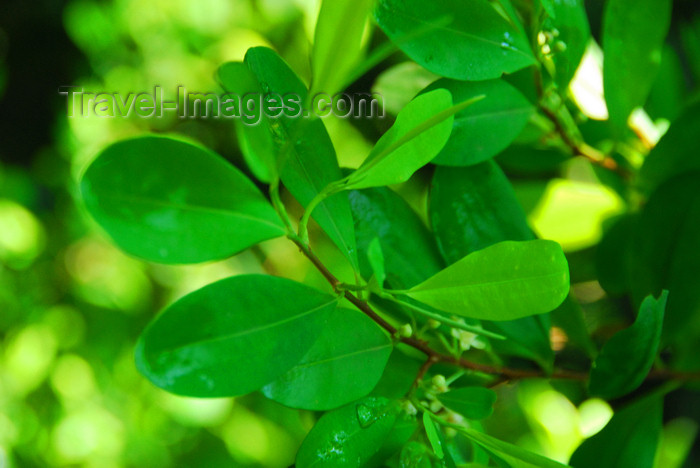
(233, 336)
(398, 375)
(676, 153)
(633, 35)
(344, 364)
(464, 41)
(168, 201)
(629, 440)
(506, 281)
(470, 402)
(375, 256)
(549, 7)
(403, 430)
(410, 253)
(349, 436)
(628, 356)
(513, 455)
(421, 130)
(570, 20)
(415, 455)
(255, 141)
(485, 128)
(300, 146)
(340, 26)
(665, 256)
(474, 207)
(433, 437)
(613, 256)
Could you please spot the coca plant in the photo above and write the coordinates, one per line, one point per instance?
(403, 358)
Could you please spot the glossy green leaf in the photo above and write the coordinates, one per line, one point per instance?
(665, 256)
(344, 364)
(421, 130)
(505, 281)
(173, 202)
(485, 128)
(404, 428)
(464, 41)
(349, 436)
(398, 375)
(472, 208)
(628, 356)
(571, 23)
(513, 455)
(629, 440)
(676, 153)
(233, 336)
(470, 402)
(433, 437)
(633, 35)
(300, 146)
(340, 27)
(410, 253)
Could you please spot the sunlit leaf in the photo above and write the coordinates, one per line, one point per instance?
(506, 281)
(233, 336)
(421, 130)
(464, 41)
(299, 145)
(344, 364)
(349, 436)
(485, 128)
(173, 202)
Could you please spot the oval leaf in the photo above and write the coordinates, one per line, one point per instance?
(455, 39)
(472, 208)
(421, 130)
(344, 364)
(506, 281)
(349, 436)
(627, 357)
(233, 336)
(470, 402)
(485, 128)
(169, 201)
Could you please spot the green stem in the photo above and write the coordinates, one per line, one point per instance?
(446, 321)
(279, 206)
(329, 190)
